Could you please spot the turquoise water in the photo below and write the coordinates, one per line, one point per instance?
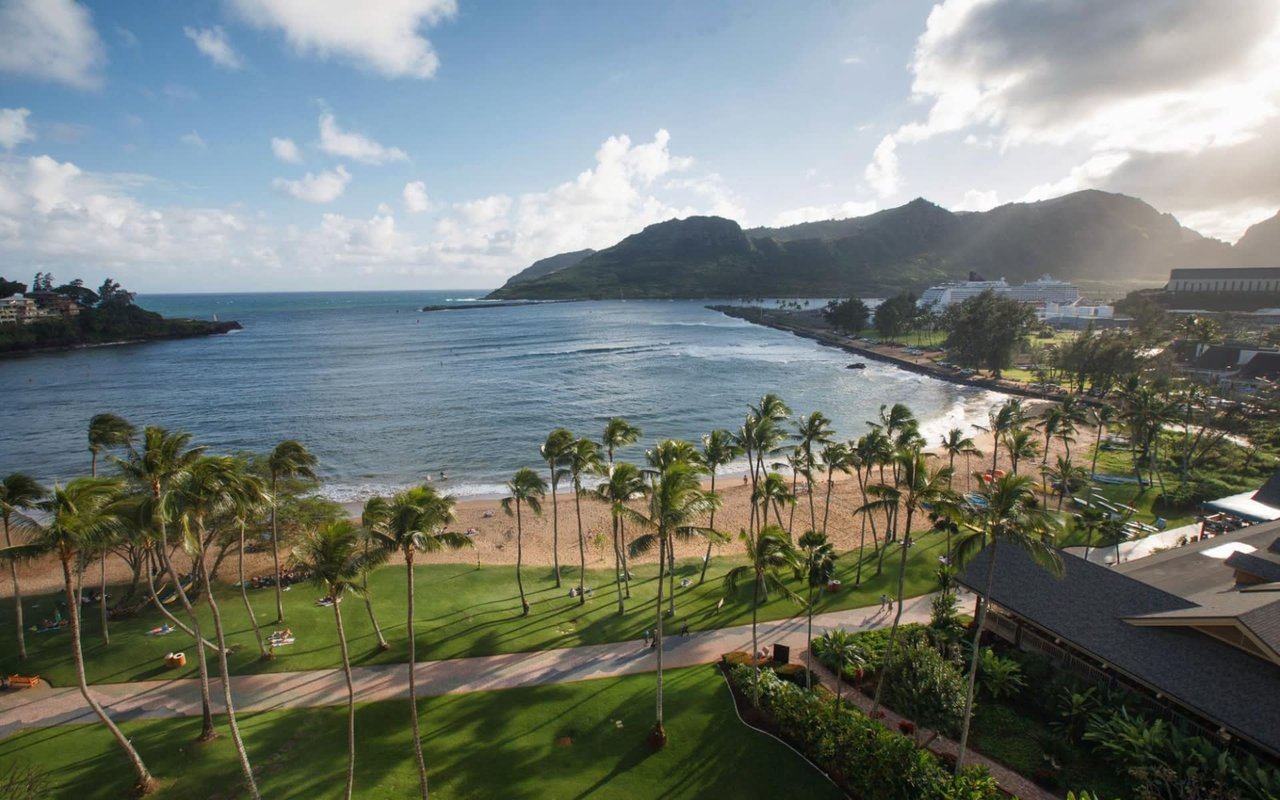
(385, 395)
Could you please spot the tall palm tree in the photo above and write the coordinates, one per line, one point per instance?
(665, 452)
(768, 552)
(836, 457)
(1011, 517)
(583, 458)
(618, 433)
(1051, 422)
(772, 492)
(106, 431)
(334, 557)
(415, 523)
(289, 459)
(75, 516)
(209, 487)
(1063, 475)
(1074, 414)
(622, 483)
(956, 443)
(375, 513)
(820, 567)
(18, 492)
(1022, 446)
(553, 451)
(248, 497)
(813, 430)
(162, 464)
(919, 488)
(676, 501)
(718, 449)
(528, 488)
(1003, 419)
(1103, 416)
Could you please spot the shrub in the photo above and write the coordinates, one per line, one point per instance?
(999, 677)
(867, 759)
(906, 726)
(919, 684)
(874, 644)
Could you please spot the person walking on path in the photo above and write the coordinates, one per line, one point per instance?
(684, 629)
(884, 600)
(647, 637)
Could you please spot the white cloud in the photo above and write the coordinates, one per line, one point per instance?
(882, 173)
(384, 38)
(415, 197)
(846, 210)
(286, 150)
(975, 200)
(51, 40)
(127, 37)
(319, 187)
(195, 140)
(13, 127)
(851, 60)
(337, 142)
(214, 44)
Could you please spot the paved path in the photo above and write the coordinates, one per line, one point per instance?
(47, 706)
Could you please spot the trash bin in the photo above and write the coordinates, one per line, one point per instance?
(782, 654)
(175, 660)
(833, 585)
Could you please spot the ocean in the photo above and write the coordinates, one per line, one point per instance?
(386, 395)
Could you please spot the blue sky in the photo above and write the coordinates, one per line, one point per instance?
(323, 144)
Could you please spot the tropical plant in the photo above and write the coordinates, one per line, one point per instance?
(956, 443)
(1064, 477)
(718, 450)
(1022, 446)
(375, 514)
(248, 495)
(836, 457)
(334, 557)
(415, 522)
(1009, 516)
(926, 688)
(1073, 709)
(289, 459)
(820, 567)
(74, 516)
(1002, 420)
(1103, 416)
(106, 431)
(554, 451)
(768, 554)
(527, 488)
(618, 433)
(812, 430)
(18, 492)
(1000, 677)
(583, 458)
(772, 492)
(676, 500)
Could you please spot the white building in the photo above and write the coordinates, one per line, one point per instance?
(1040, 291)
(1224, 279)
(16, 310)
(1046, 290)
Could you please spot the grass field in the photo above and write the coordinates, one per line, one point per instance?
(462, 610)
(506, 744)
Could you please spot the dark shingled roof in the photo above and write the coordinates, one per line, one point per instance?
(1086, 608)
(1263, 365)
(1262, 568)
(1270, 495)
(1264, 621)
(1224, 273)
(1218, 357)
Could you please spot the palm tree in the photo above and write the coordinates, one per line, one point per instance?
(718, 450)
(836, 457)
(583, 458)
(1074, 414)
(1103, 416)
(248, 496)
(160, 466)
(622, 483)
(665, 452)
(290, 459)
(528, 488)
(847, 655)
(814, 429)
(618, 433)
(209, 487)
(1144, 411)
(1012, 517)
(919, 489)
(820, 567)
(18, 492)
(76, 516)
(1003, 419)
(773, 493)
(106, 431)
(955, 443)
(1021, 445)
(1051, 423)
(1063, 476)
(416, 522)
(676, 501)
(375, 513)
(767, 553)
(334, 557)
(553, 452)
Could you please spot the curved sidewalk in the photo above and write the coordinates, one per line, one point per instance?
(44, 707)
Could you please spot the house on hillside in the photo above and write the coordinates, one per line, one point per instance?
(1196, 629)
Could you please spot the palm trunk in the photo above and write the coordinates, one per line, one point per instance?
(275, 552)
(813, 514)
(248, 607)
(207, 730)
(17, 595)
(791, 519)
(659, 732)
(626, 568)
(524, 604)
(582, 545)
(555, 529)
(368, 606)
(146, 784)
(226, 688)
(983, 602)
(808, 649)
(826, 504)
(862, 546)
(671, 575)
(893, 631)
(351, 694)
(177, 623)
(413, 680)
(102, 601)
(1097, 447)
(711, 523)
(755, 645)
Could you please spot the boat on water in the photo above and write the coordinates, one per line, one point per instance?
(856, 365)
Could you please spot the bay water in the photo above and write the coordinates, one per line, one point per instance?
(386, 395)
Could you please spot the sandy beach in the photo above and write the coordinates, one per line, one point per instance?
(494, 533)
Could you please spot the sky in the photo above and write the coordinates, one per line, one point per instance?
(265, 145)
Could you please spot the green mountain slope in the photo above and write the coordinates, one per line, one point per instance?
(1260, 245)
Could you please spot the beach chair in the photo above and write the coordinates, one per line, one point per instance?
(24, 681)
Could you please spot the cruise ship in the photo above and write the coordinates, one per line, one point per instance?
(1040, 291)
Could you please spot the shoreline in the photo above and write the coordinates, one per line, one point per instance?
(218, 329)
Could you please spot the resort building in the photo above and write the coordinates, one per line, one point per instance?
(1195, 629)
(1224, 279)
(18, 310)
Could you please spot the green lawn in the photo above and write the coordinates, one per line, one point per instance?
(482, 745)
(462, 610)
